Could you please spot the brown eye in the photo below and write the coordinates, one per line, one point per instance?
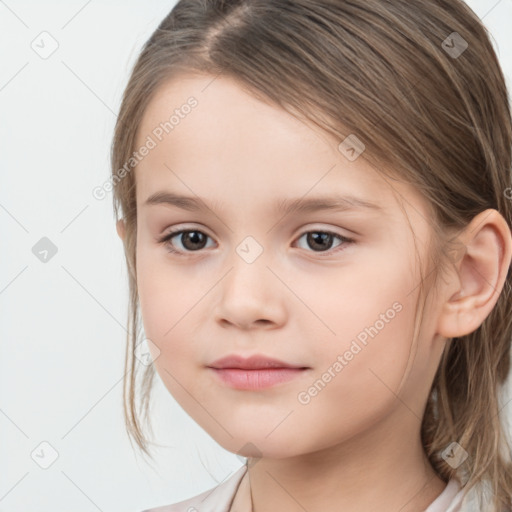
(322, 241)
(318, 240)
(191, 240)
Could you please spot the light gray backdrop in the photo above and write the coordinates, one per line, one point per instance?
(63, 69)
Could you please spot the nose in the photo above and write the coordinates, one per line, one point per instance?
(250, 296)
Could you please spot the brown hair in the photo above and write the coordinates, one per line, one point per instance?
(388, 72)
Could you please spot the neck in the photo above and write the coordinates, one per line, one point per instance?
(388, 473)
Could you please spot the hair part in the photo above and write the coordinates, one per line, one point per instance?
(441, 124)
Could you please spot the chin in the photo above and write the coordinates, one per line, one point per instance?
(257, 447)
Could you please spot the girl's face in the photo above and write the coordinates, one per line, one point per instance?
(330, 289)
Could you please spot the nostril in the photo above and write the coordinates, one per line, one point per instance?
(263, 321)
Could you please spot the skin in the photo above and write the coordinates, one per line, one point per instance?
(356, 445)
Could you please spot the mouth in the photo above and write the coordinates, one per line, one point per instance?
(256, 379)
(255, 372)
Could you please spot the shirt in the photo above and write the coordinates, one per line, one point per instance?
(233, 495)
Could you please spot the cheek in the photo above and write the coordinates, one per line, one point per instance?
(359, 376)
(365, 345)
(364, 369)
(365, 302)
(170, 298)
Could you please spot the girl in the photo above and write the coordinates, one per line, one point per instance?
(316, 212)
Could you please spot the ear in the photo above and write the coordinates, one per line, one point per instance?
(120, 228)
(482, 268)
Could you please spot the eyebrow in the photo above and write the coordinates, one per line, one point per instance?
(283, 206)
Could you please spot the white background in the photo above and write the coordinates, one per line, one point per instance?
(62, 326)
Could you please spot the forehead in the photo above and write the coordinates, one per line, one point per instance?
(212, 137)
(218, 112)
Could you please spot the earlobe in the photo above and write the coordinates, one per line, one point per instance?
(481, 272)
(120, 228)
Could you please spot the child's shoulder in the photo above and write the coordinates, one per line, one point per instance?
(216, 499)
(464, 500)
(221, 498)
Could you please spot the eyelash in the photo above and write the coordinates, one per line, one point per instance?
(165, 240)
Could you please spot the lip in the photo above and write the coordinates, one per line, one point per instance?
(256, 379)
(255, 372)
(255, 362)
